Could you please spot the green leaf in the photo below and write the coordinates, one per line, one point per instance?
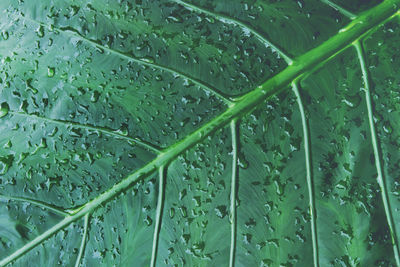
(199, 133)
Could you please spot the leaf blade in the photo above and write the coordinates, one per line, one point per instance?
(245, 104)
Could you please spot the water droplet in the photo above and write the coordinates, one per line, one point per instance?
(5, 163)
(123, 130)
(8, 144)
(247, 238)
(148, 221)
(50, 71)
(266, 262)
(242, 161)
(148, 59)
(95, 96)
(185, 238)
(280, 188)
(40, 31)
(43, 143)
(4, 109)
(221, 211)
(199, 247)
(352, 101)
(172, 213)
(183, 211)
(5, 35)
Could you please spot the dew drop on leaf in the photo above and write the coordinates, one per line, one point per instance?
(40, 31)
(5, 35)
(8, 144)
(50, 72)
(172, 213)
(43, 143)
(4, 109)
(266, 262)
(123, 130)
(280, 188)
(95, 96)
(352, 101)
(247, 238)
(148, 221)
(242, 161)
(221, 211)
(148, 59)
(183, 211)
(185, 238)
(5, 163)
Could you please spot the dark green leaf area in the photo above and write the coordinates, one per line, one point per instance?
(357, 6)
(348, 199)
(196, 228)
(306, 24)
(384, 61)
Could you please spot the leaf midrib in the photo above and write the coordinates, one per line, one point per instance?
(352, 32)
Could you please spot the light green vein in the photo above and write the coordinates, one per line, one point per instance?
(341, 10)
(358, 27)
(141, 61)
(38, 203)
(83, 243)
(106, 131)
(309, 177)
(244, 26)
(233, 213)
(375, 144)
(159, 214)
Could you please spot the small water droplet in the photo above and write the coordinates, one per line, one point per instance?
(123, 130)
(50, 71)
(95, 96)
(148, 59)
(40, 31)
(5, 35)
(221, 211)
(172, 213)
(8, 144)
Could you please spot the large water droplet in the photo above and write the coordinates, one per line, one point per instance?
(4, 109)
(5, 163)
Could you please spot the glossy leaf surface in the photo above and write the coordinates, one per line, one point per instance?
(199, 133)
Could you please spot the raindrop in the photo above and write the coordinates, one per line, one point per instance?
(266, 262)
(247, 238)
(172, 213)
(123, 130)
(221, 211)
(43, 143)
(352, 101)
(148, 221)
(8, 144)
(95, 96)
(183, 211)
(280, 188)
(242, 161)
(4, 109)
(185, 238)
(5, 35)
(148, 59)
(50, 72)
(5, 163)
(40, 31)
